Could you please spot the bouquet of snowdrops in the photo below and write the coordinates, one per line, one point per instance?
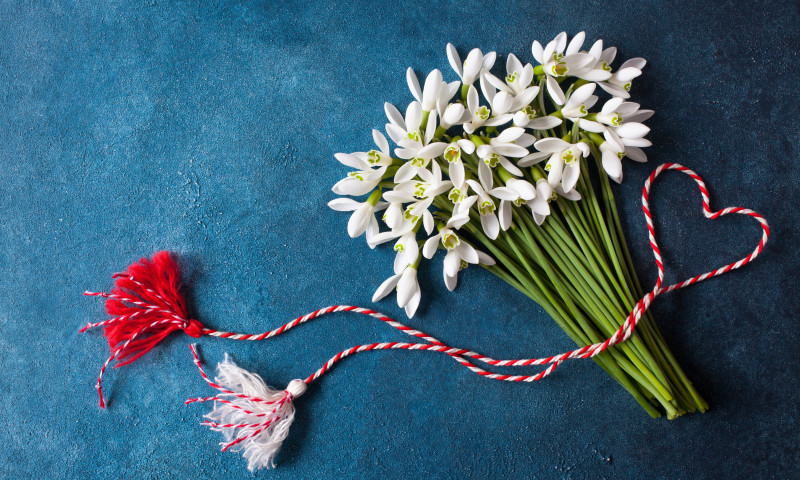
(495, 172)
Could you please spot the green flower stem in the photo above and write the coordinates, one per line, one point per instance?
(598, 221)
(658, 389)
(648, 320)
(616, 320)
(636, 369)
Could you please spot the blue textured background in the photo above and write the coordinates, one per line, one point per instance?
(128, 127)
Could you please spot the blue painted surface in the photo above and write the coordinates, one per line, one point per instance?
(129, 127)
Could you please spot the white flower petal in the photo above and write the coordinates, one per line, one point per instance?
(451, 263)
(427, 221)
(637, 62)
(532, 158)
(591, 126)
(556, 165)
(512, 169)
(502, 103)
(538, 51)
(472, 66)
(485, 176)
(385, 287)
(488, 60)
(380, 141)
(413, 116)
(636, 154)
(491, 227)
(508, 135)
(394, 116)
(406, 172)
(626, 74)
(352, 161)
(451, 282)
(525, 98)
(632, 130)
(453, 114)
(551, 144)
(429, 249)
(581, 94)
(359, 220)
(570, 176)
(504, 193)
(344, 204)
(513, 64)
(614, 90)
(413, 84)
(539, 205)
(407, 286)
(485, 259)
(454, 59)
(396, 133)
(524, 189)
(525, 140)
(544, 123)
(497, 83)
(576, 43)
(413, 304)
(511, 150)
(612, 164)
(505, 215)
(466, 252)
(433, 83)
(555, 91)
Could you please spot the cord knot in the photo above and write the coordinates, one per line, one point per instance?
(296, 388)
(193, 328)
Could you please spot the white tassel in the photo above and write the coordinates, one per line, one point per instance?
(255, 418)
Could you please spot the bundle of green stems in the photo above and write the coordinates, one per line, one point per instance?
(577, 266)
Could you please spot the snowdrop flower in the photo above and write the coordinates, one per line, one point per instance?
(517, 83)
(428, 186)
(413, 147)
(483, 116)
(502, 146)
(627, 138)
(381, 157)
(408, 291)
(630, 134)
(597, 70)
(556, 64)
(393, 217)
(579, 103)
(540, 204)
(486, 206)
(361, 181)
(402, 128)
(475, 63)
(456, 167)
(363, 217)
(620, 82)
(518, 77)
(564, 166)
(459, 253)
(516, 191)
(407, 251)
(422, 193)
(612, 156)
(452, 114)
(528, 118)
(429, 96)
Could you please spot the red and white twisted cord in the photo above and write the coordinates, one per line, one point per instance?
(623, 333)
(161, 316)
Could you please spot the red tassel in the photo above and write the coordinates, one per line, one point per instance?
(146, 306)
